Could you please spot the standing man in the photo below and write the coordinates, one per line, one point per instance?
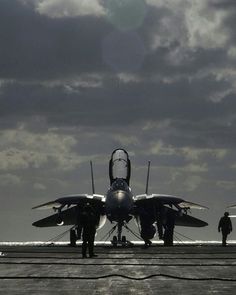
(89, 222)
(225, 226)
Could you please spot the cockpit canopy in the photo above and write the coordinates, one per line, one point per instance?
(119, 166)
(119, 184)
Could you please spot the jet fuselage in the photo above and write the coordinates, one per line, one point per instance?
(119, 202)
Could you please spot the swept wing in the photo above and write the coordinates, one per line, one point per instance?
(155, 200)
(169, 200)
(69, 215)
(71, 200)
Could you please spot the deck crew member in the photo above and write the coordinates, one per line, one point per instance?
(225, 226)
(169, 228)
(88, 223)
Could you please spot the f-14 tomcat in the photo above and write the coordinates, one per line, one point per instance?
(119, 205)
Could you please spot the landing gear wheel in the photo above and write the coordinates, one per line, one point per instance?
(123, 240)
(72, 238)
(114, 241)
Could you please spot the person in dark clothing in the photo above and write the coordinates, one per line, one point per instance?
(159, 221)
(147, 232)
(88, 222)
(225, 226)
(147, 229)
(169, 228)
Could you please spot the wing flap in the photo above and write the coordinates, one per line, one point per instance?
(191, 205)
(48, 205)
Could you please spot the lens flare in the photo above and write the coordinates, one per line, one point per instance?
(126, 14)
(123, 51)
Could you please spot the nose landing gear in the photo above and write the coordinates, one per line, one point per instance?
(120, 240)
(121, 243)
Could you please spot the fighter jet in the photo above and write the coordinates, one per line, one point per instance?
(119, 205)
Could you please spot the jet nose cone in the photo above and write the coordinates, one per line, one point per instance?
(118, 205)
(122, 201)
(120, 197)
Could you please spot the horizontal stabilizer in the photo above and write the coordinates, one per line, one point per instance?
(189, 221)
(232, 207)
(68, 216)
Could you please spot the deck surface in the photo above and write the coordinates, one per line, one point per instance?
(157, 270)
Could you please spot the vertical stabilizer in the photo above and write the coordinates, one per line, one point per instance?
(92, 179)
(147, 182)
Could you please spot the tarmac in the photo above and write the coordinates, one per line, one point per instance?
(60, 269)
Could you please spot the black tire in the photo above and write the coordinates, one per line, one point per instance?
(114, 241)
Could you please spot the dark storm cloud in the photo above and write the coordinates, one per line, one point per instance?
(184, 103)
(54, 48)
(173, 54)
(193, 61)
(229, 7)
(124, 52)
(223, 4)
(34, 46)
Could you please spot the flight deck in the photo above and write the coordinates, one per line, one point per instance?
(60, 269)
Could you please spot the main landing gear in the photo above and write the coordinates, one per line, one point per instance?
(73, 237)
(75, 234)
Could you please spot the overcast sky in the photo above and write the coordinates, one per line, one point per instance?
(79, 78)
